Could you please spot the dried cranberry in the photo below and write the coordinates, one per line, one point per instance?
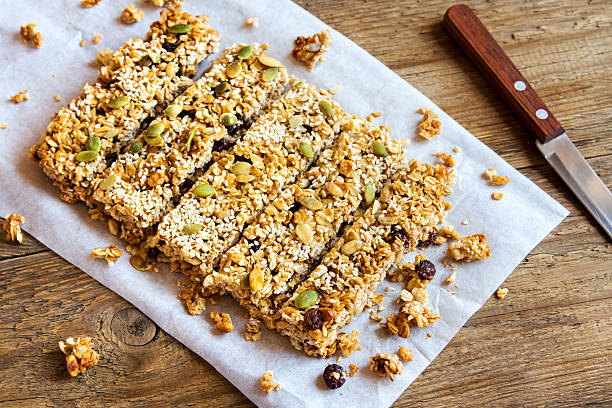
(398, 232)
(431, 239)
(334, 376)
(425, 269)
(222, 144)
(313, 319)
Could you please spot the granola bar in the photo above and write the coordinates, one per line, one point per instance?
(247, 178)
(107, 115)
(301, 223)
(410, 206)
(145, 182)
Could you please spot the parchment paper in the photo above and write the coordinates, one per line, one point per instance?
(513, 225)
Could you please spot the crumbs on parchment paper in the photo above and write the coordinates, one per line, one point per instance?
(96, 39)
(429, 126)
(131, 14)
(29, 34)
(385, 364)
(310, 49)
(352, 370)
(89, 3)
(20, 97)
(79, 354)
(405, 354)
(266, 382)
(496, 195)
(110, 254)
(252, 21)
(348, 343)
(252, 329)
(223, 321)
(467, 249)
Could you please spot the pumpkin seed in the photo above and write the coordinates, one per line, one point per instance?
(295, 121)
(385, 193)
(375, 207)
(108, 182)
(173, 110)
(370, 193)
(306, 299)
(110, 134)
(306, 150)
(222, 87)
(179, 28)
(228, 119)
(299, 85)
(138, 262)
(256, 279)
(269, 61)
(155, 58)
(190, 139)
(245, 178)
(136, 146)
(245, 52)
(86, 156)
(333, 189)
(92, 143)
(190, 229)
(326, 108)
(311, 203)
(204, 190)
(233, 69)
(154, 141)
(240, 167)
(244, 282)
(269, 74)
(119, 101)
(379, 149)
(303, 232)
(351, 247)
(155, 129)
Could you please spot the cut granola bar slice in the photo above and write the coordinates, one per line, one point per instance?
(145, 182)
(107, 115)
(410, 207)
(247, 178)
(292, 232)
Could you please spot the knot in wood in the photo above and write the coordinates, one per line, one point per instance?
(132, 327)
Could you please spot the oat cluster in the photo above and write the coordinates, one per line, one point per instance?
(404, 354)
(266, 382)
(22, 96)
(349, 343)
(79, 354)
(110, 254)
(12, 227)
(89, 3)
(430, 126)
(467, 249)
(310, 49)
(223, 321)
(29, 34)
(131, 14)
(384, 364)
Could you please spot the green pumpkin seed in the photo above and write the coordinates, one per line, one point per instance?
(269, 74)
(108, 182)
(179, 28)
(244, 282)
(370, 194)
(154, 141)
(299, 85)
(136, 146)
(155, 58)
(190, 139)
(240, 167)
(306, 150)
(311, 203)
(92, 143)
(233, 70)
(245, 52)
(222, 87)
(379, 149)
(351, 247)
(295, 121)
(303, 232)
(110, 134)
(173, 110)
(326, 108)
(86, 156)
(138, 262)
(119, 101)
(190, 229)
(203, 190)
(306, 299)
(155, 129)
(245, 178)
(228, 119)
(269, 61)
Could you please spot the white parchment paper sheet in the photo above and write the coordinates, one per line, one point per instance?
(513, 225)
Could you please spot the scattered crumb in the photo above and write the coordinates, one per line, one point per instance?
(193, 301)
(131, 15)
(451, 278)
(167, 3)
(4, 126)
(252, 330)
(447, 159)
(389, 289)
(472, 248)
(352, 370)
(57, 98)
(20, 97)
(465, 222)
(97, 38)
(82, 43)
(213, 301)
(89, 3)
(223, 321)
(266, 382)
(377, 317)
(448, 231)
(79, 355)
(29, 34)
(348, 343)
(385, 364)
(335, 90)
(374, 300)
(430, 125)
(405, 141)
(489, 173)
(499, 181)
(429, 336)
(405, 354)
(12, 227)
(456, 149)
(252, 21)
(110, 254)
(310, 50)
(502, 292)
(497, 195)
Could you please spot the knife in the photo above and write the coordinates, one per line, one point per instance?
(482, 49)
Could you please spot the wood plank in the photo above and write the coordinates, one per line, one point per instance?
(13, 249)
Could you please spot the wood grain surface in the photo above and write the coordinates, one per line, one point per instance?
(548, 343)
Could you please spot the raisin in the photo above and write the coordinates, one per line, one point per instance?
(308, 128)
(425, 269)
(431, 239)
(334, 376)
(188, 113)
(313, 319)
(398, 232)
(222, 144)
(253, 244)
(170, 47)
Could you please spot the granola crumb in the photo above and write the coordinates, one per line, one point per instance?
(223, 321)
(405, 141)
(352, 370)
(335, 90)
(20, 97)
(447, 158)
(110, 254)
(193, 302)
(456, 149)
(385, 364)
(96, 39)
(377, 317)
(4, 126)
(29, 34)
(405, 354)
(429, 335)
(82, 43)
(430, 126)
(489, 174)
(448, 231)
(252, 21)
(499, 180)
(252, 330)
(57, 98)
(266, 382)
(310, 50)
(12, 227)
(502, 292)
(497, 195)
(348, 343)
(451, 278)
(79, 354)
(472, 248)
(89, 3)
(465, 222)
(167, 3)
(131, 14)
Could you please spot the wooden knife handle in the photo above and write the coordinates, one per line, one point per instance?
(474, 38)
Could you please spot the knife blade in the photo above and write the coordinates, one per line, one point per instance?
(480, 46)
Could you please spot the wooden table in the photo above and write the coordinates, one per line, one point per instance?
(549, 342)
